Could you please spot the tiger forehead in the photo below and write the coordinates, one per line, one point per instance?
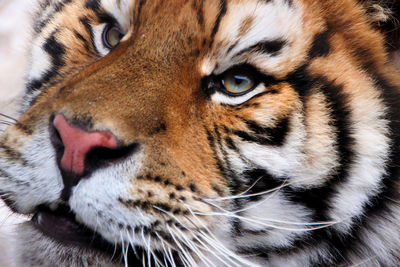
(223, 32)
(252, 32)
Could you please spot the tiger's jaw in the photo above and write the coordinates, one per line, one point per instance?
(55, 234)
(38, 249)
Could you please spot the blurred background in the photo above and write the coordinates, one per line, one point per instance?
(14, 34)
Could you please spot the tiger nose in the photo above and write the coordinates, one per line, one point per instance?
(78, 143)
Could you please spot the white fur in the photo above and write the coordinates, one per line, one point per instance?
(41, 61)
(372, 149)
(219, 97)
(284, 23)
(98, 39)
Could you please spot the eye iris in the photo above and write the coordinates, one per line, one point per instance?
(238, 82)
(112, 36)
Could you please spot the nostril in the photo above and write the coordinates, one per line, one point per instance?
(80, 152)
(56, 141)
(77, 143)
(101, 157)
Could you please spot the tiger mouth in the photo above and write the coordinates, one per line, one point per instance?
(61, 225)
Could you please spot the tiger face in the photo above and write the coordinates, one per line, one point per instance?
(185, 133)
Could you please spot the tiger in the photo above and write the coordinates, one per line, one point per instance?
(207, 133)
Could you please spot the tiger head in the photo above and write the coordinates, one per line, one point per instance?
(216, 132)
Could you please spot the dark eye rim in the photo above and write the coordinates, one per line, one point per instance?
(107, 28)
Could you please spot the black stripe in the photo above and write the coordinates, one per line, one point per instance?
(275, 134)
(89, 28)
(272, 136)
(141, 4)
(60, 5)
(216, 144)
(321, 46)
(43, 22)
(261, 181)
(231, 145)
(271, 48)
(56, 51)
(301, 81)
(84, 41)
(228, 168)
(289, 2)
(319, 199)
(258, 251)
(93, 5)
(212, 143)
(198, 6)
(102, 15)
(221, 14)
(391, 98)
(245, 136)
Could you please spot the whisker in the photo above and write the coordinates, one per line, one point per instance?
(6, 123)
(217, 243)
(252, 220)
(124, 251)
(241, 195)
(143, 259)
(228, 213)
(183, 251)
(227, 254)
(148, 249)
(195, 236)
(8, 117)
(166, 255)
(153, 255)
(364, 261)
(193, 246)
(130, 241)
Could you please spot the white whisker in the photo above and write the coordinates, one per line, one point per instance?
(242, 195)
(233, 214)
(166, 255)
(217, 244)
(186, 254)
(124, 251)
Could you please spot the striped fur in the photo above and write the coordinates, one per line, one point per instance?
(303, 170)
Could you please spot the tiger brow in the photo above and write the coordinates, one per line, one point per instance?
(268, 47)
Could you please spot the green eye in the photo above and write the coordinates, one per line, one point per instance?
(238, 82)
(112, 35)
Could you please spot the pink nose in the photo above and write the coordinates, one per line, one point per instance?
(78, 143)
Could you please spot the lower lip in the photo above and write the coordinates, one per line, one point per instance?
(62, 228)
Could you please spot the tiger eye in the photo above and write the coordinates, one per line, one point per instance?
(112, 36)
(238, 81)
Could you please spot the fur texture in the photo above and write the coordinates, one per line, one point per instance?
(301, 169)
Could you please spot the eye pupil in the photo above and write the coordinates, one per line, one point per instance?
(240, 80)
(112, 35)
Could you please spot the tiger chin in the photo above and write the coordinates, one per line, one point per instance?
(207, 133)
